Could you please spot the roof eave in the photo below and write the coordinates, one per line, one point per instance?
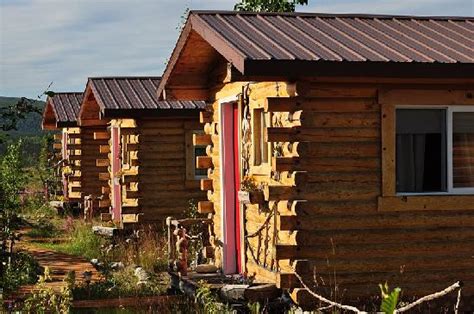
(66, 124)
(197, 24)
(147, 113)
(301, 68)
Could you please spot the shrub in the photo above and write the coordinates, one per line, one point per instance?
(23, 269)
(45, 300)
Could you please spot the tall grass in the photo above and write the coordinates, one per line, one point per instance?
(81, 241)
(148, 250)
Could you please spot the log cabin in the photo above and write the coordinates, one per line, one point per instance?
(60, 113)
(145, 149)
(340, 148)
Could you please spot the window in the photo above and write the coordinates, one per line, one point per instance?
(192, 152)
(435, 150)
(127, 146)
(260, 123)
(199, 151)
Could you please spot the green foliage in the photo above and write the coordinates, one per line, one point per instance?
(12, 182)
(81, 242)
(389, 298)
(45, 300)
(269, 5)
(15, 110)
(122, 283)
(208, 299)
(255, 308)
(23, 269)
(148, 250)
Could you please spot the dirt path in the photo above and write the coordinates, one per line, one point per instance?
(59, 265)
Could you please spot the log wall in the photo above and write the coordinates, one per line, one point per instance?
(163, 185)
(326, 181)
(74, 191)
(93, 171)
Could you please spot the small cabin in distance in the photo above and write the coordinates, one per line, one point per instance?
(94, 160)
(341, 144)
(60, 113)
(149, 153)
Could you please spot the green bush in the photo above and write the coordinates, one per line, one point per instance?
(45, 300)
(22, 270)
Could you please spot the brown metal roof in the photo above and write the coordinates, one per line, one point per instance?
(125, 94)
(304, 44)
(66, 107)
(327, 37)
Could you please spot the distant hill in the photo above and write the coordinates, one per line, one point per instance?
(30, 126)
(29, 129)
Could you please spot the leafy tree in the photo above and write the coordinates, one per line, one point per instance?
(46, 166)
(11, 115)
(269, 5)
(12, 182)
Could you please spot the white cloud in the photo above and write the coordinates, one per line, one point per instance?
(67, 41)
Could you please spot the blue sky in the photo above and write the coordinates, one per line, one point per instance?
(66, 41)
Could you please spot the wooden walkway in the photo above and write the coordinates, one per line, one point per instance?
(59, 265)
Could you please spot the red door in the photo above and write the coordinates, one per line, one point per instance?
(65, 156)
(116, 167)
(231, 184)
(236, 160)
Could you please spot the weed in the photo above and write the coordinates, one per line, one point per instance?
(45, 300)
(81, 242)
(122, 283)
(148, 249)
(389, 299)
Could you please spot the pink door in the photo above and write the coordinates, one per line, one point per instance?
(231, 184)
(116, 167)
(65, 156)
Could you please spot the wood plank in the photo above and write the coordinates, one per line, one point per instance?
(206, 184)
(368, 221)
(416, 203)
(335, 149)
(388, 150)
(104, 149)
(101, 135)
(202, 139)
(426, 97)
(205, 116)
(104, 203)
(203, 162)
(74, 135)
(105, 190)
(102, 162)
(205, 207)
(340, 119)
(104, 176)
(282, 104)
(132, 218)
(299, 134)
(105, 217)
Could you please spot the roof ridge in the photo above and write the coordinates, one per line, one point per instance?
(348, 15)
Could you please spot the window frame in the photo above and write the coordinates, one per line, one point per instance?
(450, 109)
(259, 142)
(190, 155)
